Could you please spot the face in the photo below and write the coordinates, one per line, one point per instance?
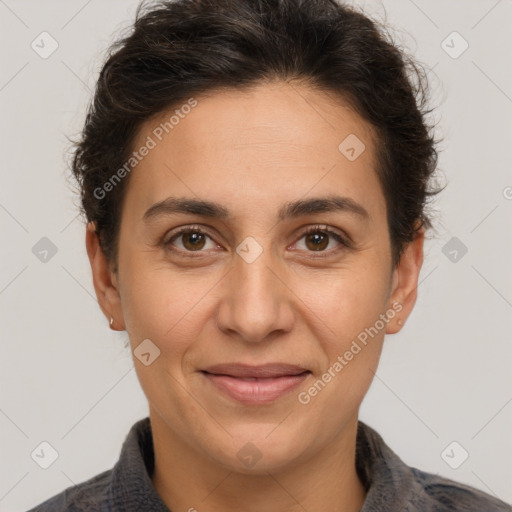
(289, 262)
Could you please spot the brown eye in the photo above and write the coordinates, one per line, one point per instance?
(317, 241)
(192, 240)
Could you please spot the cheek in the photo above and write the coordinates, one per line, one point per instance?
(161, 304)
(345, 311)
(346, 301)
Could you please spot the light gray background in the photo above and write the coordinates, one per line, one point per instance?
(67, 379)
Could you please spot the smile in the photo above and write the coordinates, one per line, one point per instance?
(255, 385)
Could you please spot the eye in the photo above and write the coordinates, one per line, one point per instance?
(318, 238)
(191, 238)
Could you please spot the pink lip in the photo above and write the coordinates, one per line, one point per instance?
(256, 384)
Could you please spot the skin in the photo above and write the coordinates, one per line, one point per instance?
(251, 151)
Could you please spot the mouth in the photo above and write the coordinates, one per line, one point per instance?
(255, 384)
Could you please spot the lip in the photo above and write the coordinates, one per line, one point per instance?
(256, 384)
(260, 371)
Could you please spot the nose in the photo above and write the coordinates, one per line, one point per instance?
(256, 301)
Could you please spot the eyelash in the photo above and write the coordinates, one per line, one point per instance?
(312, 229)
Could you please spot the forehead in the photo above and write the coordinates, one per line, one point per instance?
(272, 142)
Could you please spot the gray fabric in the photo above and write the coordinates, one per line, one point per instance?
(391, 485)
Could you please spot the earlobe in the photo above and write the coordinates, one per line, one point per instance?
(105, 282)
(405, 282)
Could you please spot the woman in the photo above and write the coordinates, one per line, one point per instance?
(254, 175)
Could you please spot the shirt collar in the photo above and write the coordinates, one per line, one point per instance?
(131, 488)
(390, 484)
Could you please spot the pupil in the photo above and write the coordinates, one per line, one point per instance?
(194, 240)
(318, 240)
(196, 237)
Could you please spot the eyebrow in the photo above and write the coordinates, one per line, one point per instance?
(293, 209)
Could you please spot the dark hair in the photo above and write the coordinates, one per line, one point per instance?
(181, 48)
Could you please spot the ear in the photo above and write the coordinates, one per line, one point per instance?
(104, 279)
(404, 287)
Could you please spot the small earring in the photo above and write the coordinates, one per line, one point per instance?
(111, 321)
(400, 322)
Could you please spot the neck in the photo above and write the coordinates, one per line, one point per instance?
(187, 480)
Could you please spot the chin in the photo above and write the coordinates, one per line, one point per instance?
(254, 451)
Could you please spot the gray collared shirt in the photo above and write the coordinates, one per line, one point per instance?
(390, 484)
